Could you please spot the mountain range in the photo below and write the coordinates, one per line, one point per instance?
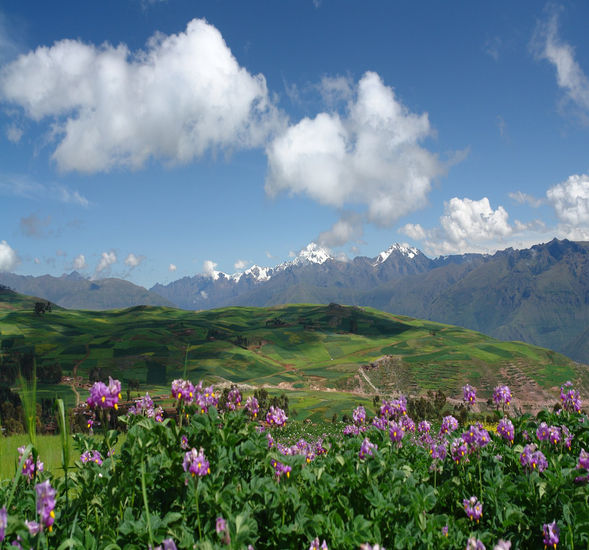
(538, 295)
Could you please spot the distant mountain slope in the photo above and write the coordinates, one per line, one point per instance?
(296, 347)
(539, 295)
(76, 292)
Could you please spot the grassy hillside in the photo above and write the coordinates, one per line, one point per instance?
(327, 358)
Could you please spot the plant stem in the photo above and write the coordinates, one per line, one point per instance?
(144, 491)
(197, 510)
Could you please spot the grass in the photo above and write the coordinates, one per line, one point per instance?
(311, 348)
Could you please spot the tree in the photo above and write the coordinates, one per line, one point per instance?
(42, 307)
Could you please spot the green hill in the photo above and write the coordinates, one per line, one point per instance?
(325, 357)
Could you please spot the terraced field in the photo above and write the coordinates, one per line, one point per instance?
(327, 358)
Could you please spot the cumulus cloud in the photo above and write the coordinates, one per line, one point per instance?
(79, 262)
(467, 226)
(370, 157)
(570, 200)
(172, 268)
(106, 260)
(569, 74)
(133, 261)
(8, 257)
(182, 96)
(35, 226)
(208, 269)
(240, 264)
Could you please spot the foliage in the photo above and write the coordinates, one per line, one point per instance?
(272, 496)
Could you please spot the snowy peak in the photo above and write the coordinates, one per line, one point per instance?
(259, 273)
(312, 254)
(403, 249)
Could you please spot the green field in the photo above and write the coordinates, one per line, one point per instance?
(314, 353)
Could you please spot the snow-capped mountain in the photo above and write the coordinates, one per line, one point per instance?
(403, 249)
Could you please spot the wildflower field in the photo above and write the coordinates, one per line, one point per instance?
(232, 475)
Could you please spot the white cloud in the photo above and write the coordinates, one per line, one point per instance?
(106, 260)
(23, 186)
(8, 257)
(208, 269)
(184, 95)
(172, 268)
(269, 255)
(467, 226)
(204, 294)
(133, 261)
(240, 264)
(14, 133)
(336, 89)
(525, 198)
(36, 261)
(570, 76)
(570, 200)
(79, 262)
(348, 228)
(369, 157)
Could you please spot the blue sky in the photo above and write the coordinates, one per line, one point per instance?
(141, 139)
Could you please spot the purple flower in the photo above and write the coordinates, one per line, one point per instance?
(380, 422)
(407, 424)
(366, 448)
(3, 522)
(533, 459)
(46, 504)
(252, 406)
(583, 460)
(359, 415)
(474, 544)
(459, 450)
(550, 532)
(568, 437)
(280, 469)
(473, 508)
(502, 395)
(351, 429)
(29, 467)
(424, 427)
(438, 451)
(91, 456)
(276, 417)
(571, 401)
(506, 430)
(502, 545)
(183, 390)
(167, 544)
(554, 434)
(396, 432)
(103, 396)
(542, 433)
(367, 546)
(33, 527)
(206, 398)
(449, 424)
(184, 442)
(315, 545)
(445, 530)
(196, 463)
(233, 399)
(394, 408)
(220, 526)
(469, 394)
(476, 436)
